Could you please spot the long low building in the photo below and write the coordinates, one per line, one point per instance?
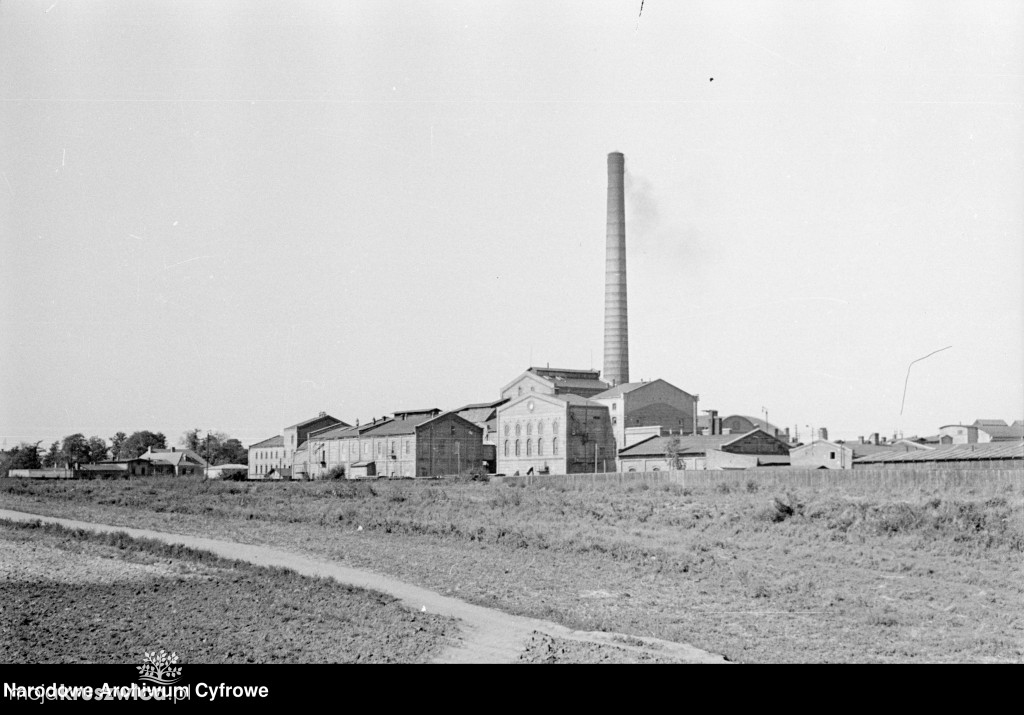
(997, 455)
(756, 448)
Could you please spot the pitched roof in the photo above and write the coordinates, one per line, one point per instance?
(618, 390)
(739, 437)
(334, 432)
(577, 400)
(172, 456)
(689, 445)
(1003, 432)
(950, 453)
(399, 426)
(481, 411)
(989, 423)
(277, 441)
(321, 416)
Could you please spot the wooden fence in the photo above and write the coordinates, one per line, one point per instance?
(783, 478)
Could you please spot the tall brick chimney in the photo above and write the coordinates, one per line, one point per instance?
(616, 328)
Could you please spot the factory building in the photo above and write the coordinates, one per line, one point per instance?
(646, 404)
(275, 457)
(555, 381)
(549, 433)
(413, 443)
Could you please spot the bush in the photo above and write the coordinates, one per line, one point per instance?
(335, 473)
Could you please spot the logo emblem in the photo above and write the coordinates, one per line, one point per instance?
(160, 668)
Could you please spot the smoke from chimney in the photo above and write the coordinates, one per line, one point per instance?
(616, 328)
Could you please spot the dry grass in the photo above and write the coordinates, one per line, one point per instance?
(758, 571)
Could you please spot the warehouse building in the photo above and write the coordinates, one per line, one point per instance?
(412, 443)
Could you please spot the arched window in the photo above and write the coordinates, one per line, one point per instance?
(554, 445)
(519, 429)
(554, 426)
(517, 447)
(529, 428)
(508, 428)
(540, 446)
(506, 447)
(529, 448)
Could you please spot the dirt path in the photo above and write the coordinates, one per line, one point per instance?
(489, 635)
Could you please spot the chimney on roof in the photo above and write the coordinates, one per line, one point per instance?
(322, 414)
(172, 449)
(616, 328)
(874, 438)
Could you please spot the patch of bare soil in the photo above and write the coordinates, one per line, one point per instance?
(68, 599)
(488, 635)
(544, 648)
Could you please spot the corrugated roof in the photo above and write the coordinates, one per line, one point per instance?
(990, 423)
(277, 441)
(950, 453)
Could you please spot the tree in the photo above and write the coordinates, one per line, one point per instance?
(672, 449)
(136, 445)
(24, 456)
(117, 445)
(233, 452)
(215, 447)
(52, 457)
(97, 449)
(74, 450)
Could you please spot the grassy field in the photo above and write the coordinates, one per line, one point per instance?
(901, 572)
(71, 596)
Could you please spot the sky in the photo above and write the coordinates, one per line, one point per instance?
(235, 215)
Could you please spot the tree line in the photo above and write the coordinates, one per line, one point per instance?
(75, 449)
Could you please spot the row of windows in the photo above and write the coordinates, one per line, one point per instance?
(529, 447)
(266, 454)
(529, 428)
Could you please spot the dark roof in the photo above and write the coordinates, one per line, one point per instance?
(564, 373)
(1003, 432)
(335, 432)
(573, 383)
(950, 453)
(324, 416)
(399, 426)
(989, 423)
(689, 445)
(277, 441)
(400, 414)
(481, 411)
